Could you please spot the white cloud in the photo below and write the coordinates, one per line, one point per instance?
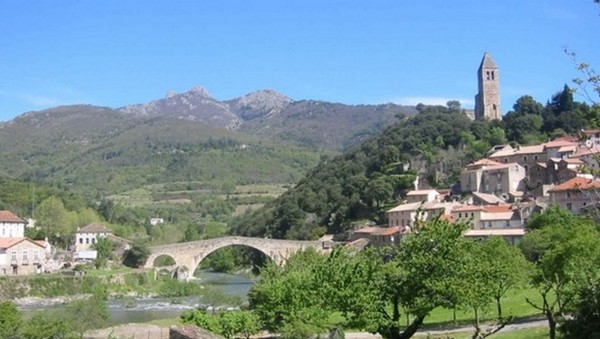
(412, 101)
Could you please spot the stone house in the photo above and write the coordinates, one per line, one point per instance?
(422, 196)
(406, 214)
(22, 256)
(379, 236)
(576, 195)
(491, 220)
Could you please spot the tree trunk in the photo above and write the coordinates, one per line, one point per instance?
(499, 306)
(476, 317)
(394, 332)
(551, 325)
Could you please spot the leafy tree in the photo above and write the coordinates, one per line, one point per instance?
(507, 268)
(136, 256)
(87, 314)
(10, 320)
(565, 257)
(288, 299)
(202, 319)
(104, 247)
(47, 324)
(52, 219)
(585, 317)
(239, 323)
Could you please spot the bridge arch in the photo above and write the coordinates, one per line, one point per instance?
(188, 255)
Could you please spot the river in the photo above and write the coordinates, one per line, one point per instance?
(135, 310)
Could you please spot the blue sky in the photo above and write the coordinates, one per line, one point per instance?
(114, 53)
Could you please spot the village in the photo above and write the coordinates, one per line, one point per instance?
(499, 193)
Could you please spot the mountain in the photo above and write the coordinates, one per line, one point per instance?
(271, 115)
(261, 137)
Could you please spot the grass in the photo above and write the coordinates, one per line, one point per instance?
(527, 333)
(513, 304)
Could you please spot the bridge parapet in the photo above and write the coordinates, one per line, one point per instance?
(190, 254)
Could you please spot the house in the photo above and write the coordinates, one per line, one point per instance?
(21, 256)
(577, 194)
(422, 196)
(379, 236)
(492, 177)
(407, 214)
(11, 226)
(491, 220)
(87, 236)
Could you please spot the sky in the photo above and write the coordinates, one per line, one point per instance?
(115, 53)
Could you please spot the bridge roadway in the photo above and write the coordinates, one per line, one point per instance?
(188, 255)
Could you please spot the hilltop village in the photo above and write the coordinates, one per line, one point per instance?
(497, 194)
(503, 190)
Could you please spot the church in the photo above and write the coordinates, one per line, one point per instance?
(487, 100)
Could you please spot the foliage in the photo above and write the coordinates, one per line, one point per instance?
(10, 320)
(104, 247)
(47, 324)
(585, 320)
(288, 300)
(566, 257)
(89, 313)
(230, 324)
(136, 256)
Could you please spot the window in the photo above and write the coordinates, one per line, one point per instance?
(25, 256)
(507, 223)
(460, 215)
(87, 240)
(13, 256)
(524, 158)
(81, 240)
(535, 157)
(489, 224)
(487, 75)
(36, 255)
(568, 194)
(93, 240)
(569, 206)
(493, 77)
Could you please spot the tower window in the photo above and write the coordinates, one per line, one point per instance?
(487, 75)
(493, 75)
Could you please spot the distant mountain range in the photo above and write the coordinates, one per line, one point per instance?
(262, 136)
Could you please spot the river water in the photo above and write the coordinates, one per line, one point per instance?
(130, 310)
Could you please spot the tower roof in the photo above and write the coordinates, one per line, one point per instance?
(487, 61)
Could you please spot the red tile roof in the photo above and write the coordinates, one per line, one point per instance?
(8, 216)
(387, 231)
(6, 243)
(577, 183)
(497, 208)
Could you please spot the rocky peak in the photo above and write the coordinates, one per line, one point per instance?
(259, 103)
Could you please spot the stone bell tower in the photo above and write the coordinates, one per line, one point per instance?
(487, 101)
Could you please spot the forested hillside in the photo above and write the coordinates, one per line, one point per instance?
(361, 184)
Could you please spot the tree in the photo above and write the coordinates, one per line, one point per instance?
(53, 220)
(10, 320)
(239, 323)
(507, 268)
(565, 257)
(87, 314)
(47, 324)
(136, 256)
(428, 271)
(288, 299)
(104, 247)
(585, 317)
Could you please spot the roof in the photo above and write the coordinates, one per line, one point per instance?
(577, 183)
(535, 149)
(93, 228)
(487, 198)
(10, 242)
(590, 131)
(484, 162)
(497, 216)
(413, 206)
(497, 208)
(557, 143)
(367, 230)
(581, 151)
(497, 232)
(387, 230)
(487, 62)
(8, 216)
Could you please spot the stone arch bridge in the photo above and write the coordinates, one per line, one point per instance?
(188, 255)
